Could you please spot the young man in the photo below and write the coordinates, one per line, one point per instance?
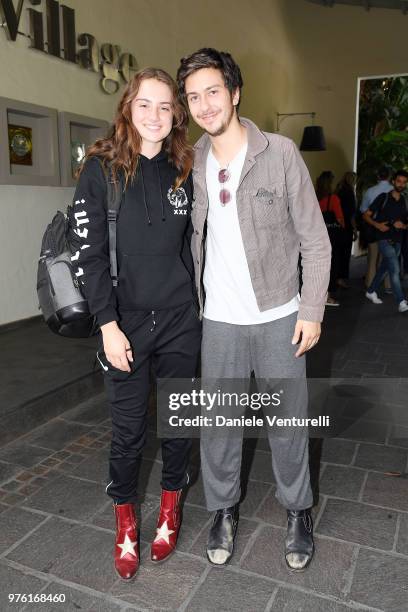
(388, 215)
(383, 185)
(256, 205)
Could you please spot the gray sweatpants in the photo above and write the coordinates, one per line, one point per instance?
(233, 351)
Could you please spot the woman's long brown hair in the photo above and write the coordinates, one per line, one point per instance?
(348, 180)
(324, 184)
(122, 147)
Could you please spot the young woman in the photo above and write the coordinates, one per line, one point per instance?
(330, 206)
(149, 319)
(347, 194)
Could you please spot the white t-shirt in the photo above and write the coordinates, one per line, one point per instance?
(230, 297)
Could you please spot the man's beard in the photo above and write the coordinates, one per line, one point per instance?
(399, 189)
(224, 126)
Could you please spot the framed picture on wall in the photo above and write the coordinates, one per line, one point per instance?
(28, 144)
(76, 133)
(78, 152)
(20, 145)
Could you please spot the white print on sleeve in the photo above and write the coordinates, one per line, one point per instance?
(81, 218)
(82, 233)
(76, 256)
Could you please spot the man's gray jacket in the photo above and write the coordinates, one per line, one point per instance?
(279, 217)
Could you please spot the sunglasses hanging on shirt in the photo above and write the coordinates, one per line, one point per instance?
(224, 176)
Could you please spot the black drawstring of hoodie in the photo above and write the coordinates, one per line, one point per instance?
(161, 193)
(144, 195)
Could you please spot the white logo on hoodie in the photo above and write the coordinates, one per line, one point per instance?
(178, 199)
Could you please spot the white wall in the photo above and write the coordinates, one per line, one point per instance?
(24, 214)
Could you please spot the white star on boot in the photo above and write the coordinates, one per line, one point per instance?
(127, 547)
(163, 533)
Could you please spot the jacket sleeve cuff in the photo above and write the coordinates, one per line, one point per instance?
(107, 315)
(311, 313)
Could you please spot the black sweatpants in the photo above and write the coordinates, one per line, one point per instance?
(169, 341)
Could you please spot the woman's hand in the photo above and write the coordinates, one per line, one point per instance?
(116, 346)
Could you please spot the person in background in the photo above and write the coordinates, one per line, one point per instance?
(330, 206)
(383, 185)
(346, 192)
(388, 215)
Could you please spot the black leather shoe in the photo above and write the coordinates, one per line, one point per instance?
(299, 546)
(220, 545)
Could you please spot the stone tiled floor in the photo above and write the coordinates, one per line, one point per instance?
(56, 523)
(35, 384)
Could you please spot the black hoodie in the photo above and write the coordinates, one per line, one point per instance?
(153, 235)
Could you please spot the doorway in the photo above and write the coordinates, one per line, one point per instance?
(381, 126)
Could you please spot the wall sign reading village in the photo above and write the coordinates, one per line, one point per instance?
(105, 59)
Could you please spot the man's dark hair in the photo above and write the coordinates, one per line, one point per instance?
(210, 58)
(384, 173)
(400, 173)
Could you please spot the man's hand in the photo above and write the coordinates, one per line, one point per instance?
(383, 227)
(400, 225)
(310, 333)
(116, 346)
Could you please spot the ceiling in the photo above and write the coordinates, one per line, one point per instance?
(401, 5)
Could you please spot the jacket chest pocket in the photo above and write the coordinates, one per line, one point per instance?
(269, 205)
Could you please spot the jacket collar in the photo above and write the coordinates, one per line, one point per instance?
(257, 142)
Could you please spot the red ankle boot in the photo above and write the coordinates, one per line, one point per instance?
(168, 525)
(126, 544)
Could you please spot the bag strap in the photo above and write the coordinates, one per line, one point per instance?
(381, 207)
(114, 199)
(385, 201)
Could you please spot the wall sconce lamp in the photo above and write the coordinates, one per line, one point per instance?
(313, 136)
